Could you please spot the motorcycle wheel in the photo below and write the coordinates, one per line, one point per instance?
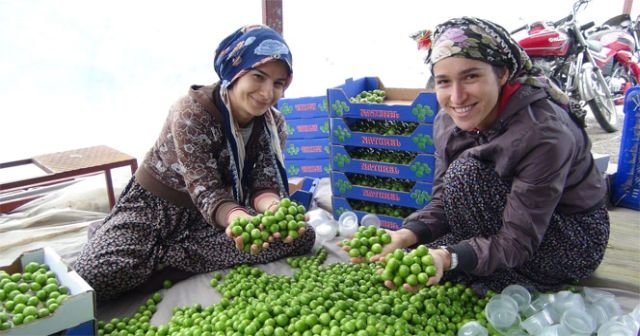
(602, 104)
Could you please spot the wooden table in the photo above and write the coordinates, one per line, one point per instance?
(65, 166)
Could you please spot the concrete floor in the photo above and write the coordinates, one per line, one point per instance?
(603, 142)
(621, 265)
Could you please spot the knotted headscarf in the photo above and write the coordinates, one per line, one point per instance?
(488, 42)
(249, 47)
(243, 50)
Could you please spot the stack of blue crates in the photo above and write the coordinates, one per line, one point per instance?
(307, 149)
(416, 107)
(625, 189)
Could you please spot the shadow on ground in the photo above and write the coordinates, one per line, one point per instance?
(603, 142)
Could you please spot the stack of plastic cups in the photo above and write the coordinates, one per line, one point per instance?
(326, 231)
(536, 323)
(565, 300)
(554, 330)
(536, 317)
(541, 302)
(567, 314)
(521, 295)
(502, 313)
(601, 305)
(635, 317)
(348, 224)
(578, 322)
(570, 316)
(324, 226)
(472, 328)
(615, 328)
(623, 325)
(541, 318)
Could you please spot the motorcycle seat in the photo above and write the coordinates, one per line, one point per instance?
(619, 20)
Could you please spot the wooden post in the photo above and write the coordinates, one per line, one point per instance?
(272, 14)
(626, 9)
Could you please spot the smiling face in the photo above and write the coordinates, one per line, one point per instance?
(468, 90)
(255, 92)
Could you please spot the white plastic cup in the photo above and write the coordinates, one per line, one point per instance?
(326, 231)
(348, 224)
(543, 301)
(315, 222)
(636, 313)
(609, 305)
(593, 294)
(318, 215)
(598, 313)
(506, 298)
(521, 295)
(565, 300)
(514, 331)
(629, 321)
(554, 330)
(578, 322)
(538, 321)
(472, 328)
(614, 328)
(502, 312)
(370, 220)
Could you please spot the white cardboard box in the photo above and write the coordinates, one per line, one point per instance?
(75, 316)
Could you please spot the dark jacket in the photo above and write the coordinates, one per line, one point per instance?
(535, 144)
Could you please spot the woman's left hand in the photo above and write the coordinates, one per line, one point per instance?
(440, 259)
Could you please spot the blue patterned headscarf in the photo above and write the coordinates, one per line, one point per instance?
(247, 48)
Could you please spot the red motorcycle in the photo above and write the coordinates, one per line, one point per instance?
(563, 53)
(614, 46)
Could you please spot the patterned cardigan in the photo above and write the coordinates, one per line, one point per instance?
(190, 165)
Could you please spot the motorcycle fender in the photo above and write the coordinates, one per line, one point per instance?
(630, 62)
(624, 57)
(587, 91)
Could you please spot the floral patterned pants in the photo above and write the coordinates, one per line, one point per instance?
(144, 234)
(572, 248)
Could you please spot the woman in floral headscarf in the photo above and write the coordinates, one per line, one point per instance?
(517, 197)
(218, 157)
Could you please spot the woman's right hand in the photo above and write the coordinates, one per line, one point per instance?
(239, 242)
(402, 238)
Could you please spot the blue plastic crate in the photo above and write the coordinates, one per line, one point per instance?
(304, 107)
(421, 168)
(420, 141)
(402, 104)
(625, 188)
(298, 149)
(308, 128)
(308, 167)
(415, 198)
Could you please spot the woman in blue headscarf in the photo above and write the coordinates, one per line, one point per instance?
(517, 197)
(218, 158)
